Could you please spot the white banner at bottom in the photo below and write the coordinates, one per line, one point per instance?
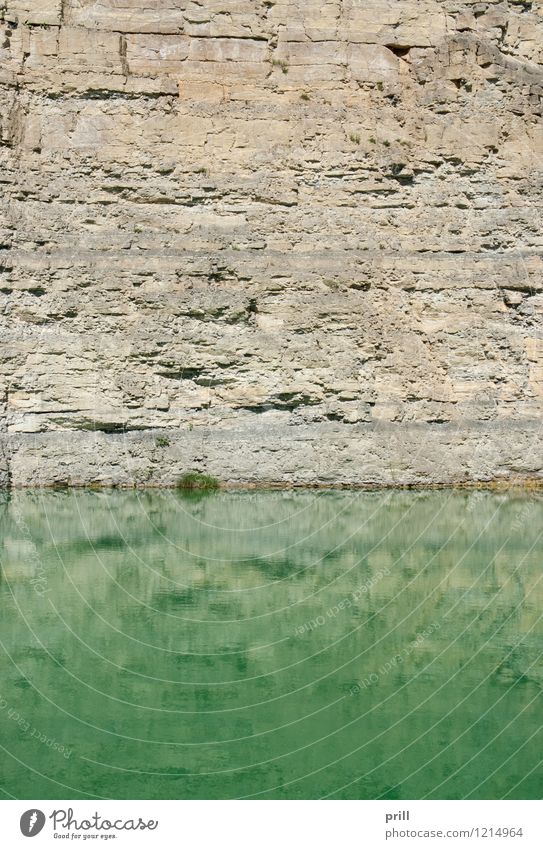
(267, 824)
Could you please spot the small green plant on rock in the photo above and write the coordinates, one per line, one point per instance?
(280, 63)
(304, 96)
(196, 481)
(162, 441)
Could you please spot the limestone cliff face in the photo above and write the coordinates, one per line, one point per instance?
(273, 241)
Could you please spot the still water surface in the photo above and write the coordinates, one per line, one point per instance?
(271, 645)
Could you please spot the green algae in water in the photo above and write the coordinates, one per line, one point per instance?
(271, 645)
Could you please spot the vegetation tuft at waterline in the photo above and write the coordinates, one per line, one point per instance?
(197, 481)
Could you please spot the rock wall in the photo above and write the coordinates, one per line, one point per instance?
(273, 241)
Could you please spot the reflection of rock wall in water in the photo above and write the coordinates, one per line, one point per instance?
(271, 240)
(169, 619)
(300, 554)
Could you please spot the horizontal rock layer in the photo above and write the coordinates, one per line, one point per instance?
(273, 241)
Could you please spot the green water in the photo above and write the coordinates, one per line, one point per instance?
(271, 645)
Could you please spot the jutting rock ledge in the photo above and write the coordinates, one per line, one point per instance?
(276, 241)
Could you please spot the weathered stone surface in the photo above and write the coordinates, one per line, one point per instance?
(274, 241)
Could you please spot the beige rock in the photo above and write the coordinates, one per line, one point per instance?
(300, 239)
(373, 62)
(48, 12)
